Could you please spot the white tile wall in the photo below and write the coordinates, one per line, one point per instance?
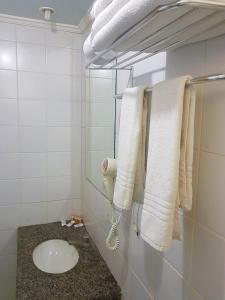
(193, 269)
(8, 112)
(7, 55)
(30, 57)
(40, 134)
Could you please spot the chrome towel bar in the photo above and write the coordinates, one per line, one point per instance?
(197, 80)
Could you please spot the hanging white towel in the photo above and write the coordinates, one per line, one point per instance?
(170, 157)
(130, 147)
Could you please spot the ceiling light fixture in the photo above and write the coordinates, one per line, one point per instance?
(47, 12)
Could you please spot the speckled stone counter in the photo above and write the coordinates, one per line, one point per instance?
(89, 279)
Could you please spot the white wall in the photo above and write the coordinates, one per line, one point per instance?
(40, 133)
(193, 269)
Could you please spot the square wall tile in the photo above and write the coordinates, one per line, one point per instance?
(179, 255)
(76, 174)
(76, 139)
(59, 38)
(8, 112)
(33, 213)
(208, 273)
(60, 188)
(33, 139)
(76, 96)
(10, 192)
(59, 163)
(100, 114)
(134, 289)
(77, 44)
(211, 192)
(7, 31)
(101, 89)
(58, 113)
(7, 55)
(59, 139)
(30, 34)
(108, 74)
(32, 85)
(77, 207)
(8, 84)
(59, 210)
(30, 57)
(76, 114)
(76, 62)
(214, 55)
(59, 87)
(34, 190)
(176, 65)
(9, 166)
(33, 165)
(9, 139)
(59, 60)
(8, 242)
(100, 138)
(11, 222)
(32, 113)
(213, 118)
(8, 266)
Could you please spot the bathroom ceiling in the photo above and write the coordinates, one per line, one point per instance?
(67, 11)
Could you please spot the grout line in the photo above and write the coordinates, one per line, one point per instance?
(212, 153)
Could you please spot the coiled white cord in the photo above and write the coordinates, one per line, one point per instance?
(112, 241)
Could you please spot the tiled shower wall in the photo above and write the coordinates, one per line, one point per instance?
(40, 133)
(193, 269)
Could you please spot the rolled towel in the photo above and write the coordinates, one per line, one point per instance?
(90, 53)
(98, 7)
(106, 15)
(124, 14)
(109, 169)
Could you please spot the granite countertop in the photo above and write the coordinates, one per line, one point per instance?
(89, 279)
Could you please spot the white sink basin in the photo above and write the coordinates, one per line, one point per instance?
(55, 256)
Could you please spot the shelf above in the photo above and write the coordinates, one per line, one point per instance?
(167, 27)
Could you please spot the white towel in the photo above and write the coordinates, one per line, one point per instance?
(130, 147)
(98, 7)
(90, 53)
(125, 16)
(120, 15)
(106, 15)
(170, 157)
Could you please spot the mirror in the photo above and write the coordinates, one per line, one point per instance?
(102, 119)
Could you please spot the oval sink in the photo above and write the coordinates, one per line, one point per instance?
(55, 256)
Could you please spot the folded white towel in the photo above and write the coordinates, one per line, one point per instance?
(170, 157)
(113, 24)
(106, 15)
(98, 7)
(90, 53)
(120, 15)
(131, 140)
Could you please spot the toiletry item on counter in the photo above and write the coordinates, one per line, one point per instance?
(75, 221)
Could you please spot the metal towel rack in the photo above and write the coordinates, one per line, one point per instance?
(197, 80)
(125, 59)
